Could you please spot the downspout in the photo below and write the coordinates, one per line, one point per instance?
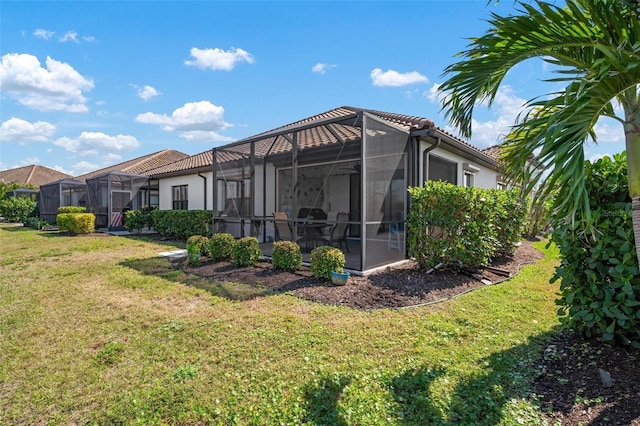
(428, 150)
(205, 190)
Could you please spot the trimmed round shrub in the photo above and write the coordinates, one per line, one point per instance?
(325, 259)
(198, 244)
(286, 255)
(247, 252)
(76, 223)
(72, 209)
(221, 246)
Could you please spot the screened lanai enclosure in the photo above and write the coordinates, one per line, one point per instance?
(110, 195)
(340, 179)
(61, 193)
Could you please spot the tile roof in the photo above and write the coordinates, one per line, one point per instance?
(141, 165)
(341, 124)
(493, 152)
(33, 175)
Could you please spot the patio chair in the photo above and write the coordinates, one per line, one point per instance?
(339, 231)
(283, 226)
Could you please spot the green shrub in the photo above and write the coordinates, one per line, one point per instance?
(325, 259)
(452, 225)
(600, 287)
(200, 244)
(182, 223)
(135, 220)
(36, 223)
(18, 209)
(72, 209)
(76, 223)
(247, 252)
(286, 255)
(221, 246)
(509, 218)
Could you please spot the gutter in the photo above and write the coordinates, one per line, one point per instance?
(205, 190)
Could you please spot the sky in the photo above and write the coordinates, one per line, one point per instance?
(85, 85)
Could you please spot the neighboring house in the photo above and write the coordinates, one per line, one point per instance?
(110, 191)
(31, 175)
(349, 160)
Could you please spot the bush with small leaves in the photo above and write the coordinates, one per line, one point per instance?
(18, 209)
(76, 223)
(247, 252)
(221, 246)
(325, 259)
(286, 255)
(199, 244)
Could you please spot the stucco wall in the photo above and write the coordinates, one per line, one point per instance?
(195, 191)
(484, 178)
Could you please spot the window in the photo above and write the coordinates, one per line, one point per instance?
(440, 169)
(468, 179)
(180, 197)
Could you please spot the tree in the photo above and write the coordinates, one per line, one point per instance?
(594, 46)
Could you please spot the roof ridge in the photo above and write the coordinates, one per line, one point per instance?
(31, 173)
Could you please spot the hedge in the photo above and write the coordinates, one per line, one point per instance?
(76, 223)
(182, 223)
(463, 227)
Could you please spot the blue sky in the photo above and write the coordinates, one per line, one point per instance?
(85, 85)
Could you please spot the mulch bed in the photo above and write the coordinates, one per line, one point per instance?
(396, 287)
(571, 389)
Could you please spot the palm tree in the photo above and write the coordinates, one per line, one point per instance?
(594, 46)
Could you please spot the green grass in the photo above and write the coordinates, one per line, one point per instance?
(99, 330)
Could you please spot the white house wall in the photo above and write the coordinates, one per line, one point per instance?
(485, 177)
(195, 190)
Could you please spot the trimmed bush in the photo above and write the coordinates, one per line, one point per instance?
(72, 209)
(199, 244)
(247, 252)
(221, 246)
(18, 209)
(325, 259)
(600, 287)
(76, 223)
(182, 223)
(286, 255)
(452, 225)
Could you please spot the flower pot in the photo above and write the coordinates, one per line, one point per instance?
(339, 278)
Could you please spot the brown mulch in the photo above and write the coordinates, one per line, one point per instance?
(571, 389)
(395, 287)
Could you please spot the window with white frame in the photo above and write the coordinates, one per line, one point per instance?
(180, 197)
(440, 169)
(468, 179)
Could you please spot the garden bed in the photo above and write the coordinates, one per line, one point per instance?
(397, 287)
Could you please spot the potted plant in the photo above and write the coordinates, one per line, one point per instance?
(339, 278)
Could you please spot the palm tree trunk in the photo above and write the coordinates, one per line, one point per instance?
(632, 141)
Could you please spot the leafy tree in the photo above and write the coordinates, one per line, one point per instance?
(594, 46)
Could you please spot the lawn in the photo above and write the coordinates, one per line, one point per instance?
(100, 330)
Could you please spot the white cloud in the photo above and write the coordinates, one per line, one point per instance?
(69, 36)
(58, 87)
(193, 116)
(89, 39)
(81, 168)
(205, 136)
(21, 131)
(146, 92)
(43, 34)
(218, 59)
(395, 79)
(322, 68)
(608, 133)
(111, 158)
(95, 143)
